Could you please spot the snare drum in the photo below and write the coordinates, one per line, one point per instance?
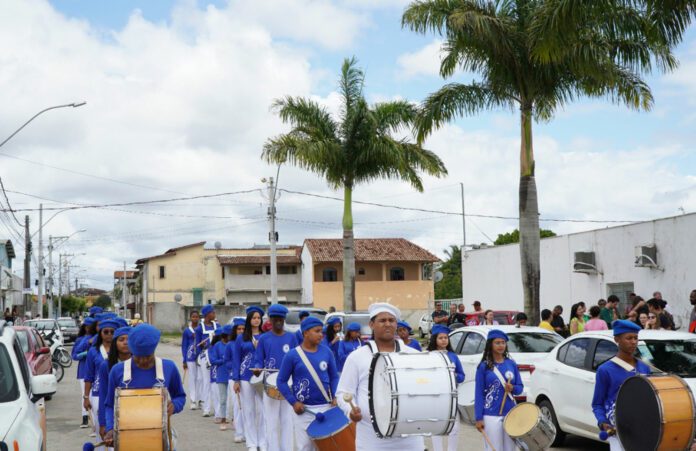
(412, 394)
(655, 413)
(203, 360)
(332, 431)
(140, 420)
(270, 386)
(257, 382)
(529, 428)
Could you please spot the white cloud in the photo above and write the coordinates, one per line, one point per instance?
(423, 62)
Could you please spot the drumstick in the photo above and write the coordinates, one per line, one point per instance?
(490, 445)
(502, 406)
(347, 397)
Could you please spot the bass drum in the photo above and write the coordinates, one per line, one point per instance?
(655, 413)
(412, 394)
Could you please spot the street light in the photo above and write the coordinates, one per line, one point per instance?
(70, 105)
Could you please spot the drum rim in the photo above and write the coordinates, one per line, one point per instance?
(538, 420)
(370, 388)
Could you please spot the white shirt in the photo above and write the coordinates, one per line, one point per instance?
(354, 380)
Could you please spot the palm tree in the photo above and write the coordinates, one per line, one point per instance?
(358, 148)
(505, 42)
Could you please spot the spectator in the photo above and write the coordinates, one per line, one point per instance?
(595, 322)
(453, 310)
(633, 316)
(585, 316)
(8, 315)
(439, 316)
(692, 322)
(639, 305)
(610, 313)
(577, 318)
(652, 321)
(458, 317)
(601, 303)
(521, 319)
(662, 321)
(630, 303)
(136, 320)
(557, 321)
(332, 309)
(546, 320)
(488, 319)
(477, 307)
(643, 320)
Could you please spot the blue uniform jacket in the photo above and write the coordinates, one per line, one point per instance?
(244, 352)
(608, 380)
(489, 390)
(79, 354)
(344, 350)
(218, 372)
(189, 350)
(304, 389)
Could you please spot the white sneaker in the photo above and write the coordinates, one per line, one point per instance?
(206, 414)
(238, 439)
(194, 405)
(92, 434)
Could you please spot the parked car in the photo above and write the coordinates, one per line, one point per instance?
(362, 318)
(36, 352)
(69, 328)
(23, 419)
(502, 317)
(527, 346)
(424, 325)
(292, 321)
(563, 383)
(47, 328)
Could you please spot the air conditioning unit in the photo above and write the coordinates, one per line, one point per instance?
(646, 256)
(585, 263)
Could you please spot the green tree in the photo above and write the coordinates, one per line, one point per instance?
(358, 147)
(73, 304)
(103, 301)
(450, 287)
(514, 236)
(502, 42)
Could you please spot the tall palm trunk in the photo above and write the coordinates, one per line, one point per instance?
(348, 251)
(529, 221)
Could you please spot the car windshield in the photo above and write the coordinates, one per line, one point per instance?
(23, 339)
(294, 317)
(671, 356)
(66, 323)
(9, 391)
(533, 342)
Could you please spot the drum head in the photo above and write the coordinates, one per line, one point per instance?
(380, 395)
(638, 419)
(327, 423)
(521, 419)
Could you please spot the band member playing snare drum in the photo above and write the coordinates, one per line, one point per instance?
(119, 352)
(354, 381)
(497, 380)
(439, 341)
(612, 373)
(304, 392)
(189, 352)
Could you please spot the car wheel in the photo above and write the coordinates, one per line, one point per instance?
(548, 412)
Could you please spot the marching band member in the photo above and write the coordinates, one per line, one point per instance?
(119, 352)
(355, 379)
(305, 391)
(232, 397)
(350, 343)
(94, 311)
(144, 370)
(333, 335)
(403, 329)
(95, 356)
(79, 354)
(220, 374)
(204, 336)
(270, 351)
(252, 402)
(439, 341)
(298, 333)
(612, 373)
(497, 378)
(189, 352)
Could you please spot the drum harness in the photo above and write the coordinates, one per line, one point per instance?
(204, 354)
(313, 373)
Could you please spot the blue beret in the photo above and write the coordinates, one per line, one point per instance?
(353, 327)
(219, 331)
(405, 325)
(207, 309)
(108, 324)
(89, 321)
(121, 331)
(100, 317)
(303, 314)
(142, 340)
(278, 311)
(438, 329)
(95, 310)
(309, 323)
(333, 320)
(238, 322)
(227, 329)
(121, 322)
(255, 308)
(622, 326)
(497, 333)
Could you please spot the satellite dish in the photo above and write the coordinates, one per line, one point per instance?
(218, 245)
(177, 297)
(438, 276)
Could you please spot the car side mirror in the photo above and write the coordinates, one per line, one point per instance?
(43, 385)
(43, 350)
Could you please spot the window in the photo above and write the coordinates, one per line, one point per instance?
(9, 391)
(575, 353)
(161, 272)
(329, 275)
(361, 271)
(473, 344)
(287, 269)
(604, 351)
(533, 342)
(23, 340)
(396, 273)
(455, 339)
(22, 361)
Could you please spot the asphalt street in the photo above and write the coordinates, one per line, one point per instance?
(195, 432)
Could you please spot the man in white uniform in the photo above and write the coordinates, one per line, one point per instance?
(355, 378)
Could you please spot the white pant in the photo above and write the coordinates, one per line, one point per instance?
(221, 405)
(614, 444)
(205, 389)
(82, 390)
(94, 400)
(233, 400)
(215, 399)
(252, 410)
(301, 422)
(278, 418)
(439, 440)
(193, 381)
(493, 427)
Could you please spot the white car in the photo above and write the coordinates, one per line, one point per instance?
(424, 325)
(362, 318)
(563, 383)
(23, 420)
(292, 321)
(527, 346)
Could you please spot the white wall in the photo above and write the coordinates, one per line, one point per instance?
(307, 276)
(493, 276)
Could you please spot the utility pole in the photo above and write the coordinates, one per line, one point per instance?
(463, 252)
(273, 238)
(27, 271)
(60, 280)
(41, 267)
(123, 289)
(49, 293)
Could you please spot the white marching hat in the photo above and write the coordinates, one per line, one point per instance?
(382, 307)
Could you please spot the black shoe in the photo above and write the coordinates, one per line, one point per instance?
(84, 422)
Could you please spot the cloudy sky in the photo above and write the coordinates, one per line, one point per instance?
(178, 95)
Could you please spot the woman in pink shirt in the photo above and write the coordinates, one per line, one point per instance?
(595, 322)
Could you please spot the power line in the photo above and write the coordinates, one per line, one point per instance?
(4, 193)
